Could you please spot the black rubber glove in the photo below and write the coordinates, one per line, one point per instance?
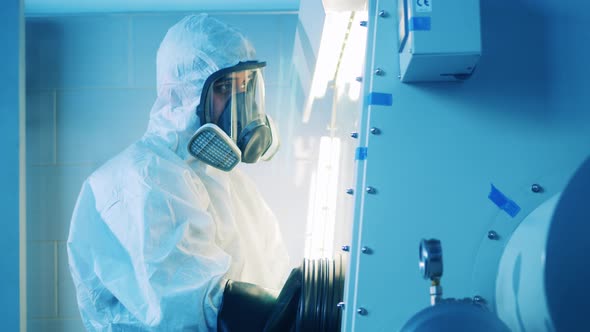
(284, 315)
(249, 308)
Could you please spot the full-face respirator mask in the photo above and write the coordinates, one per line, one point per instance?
(235, 127)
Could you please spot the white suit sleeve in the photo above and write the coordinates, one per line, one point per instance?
(145, 257)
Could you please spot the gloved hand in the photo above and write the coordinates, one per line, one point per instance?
(284, 315)
(247, 307)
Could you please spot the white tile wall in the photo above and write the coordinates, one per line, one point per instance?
(40, 127)
(77, 51)
(51, 195)
(41, 281)
(55, 325)
(95, 124)
(90, 86)
(67, 305)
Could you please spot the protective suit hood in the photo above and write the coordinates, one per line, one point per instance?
(192, 49)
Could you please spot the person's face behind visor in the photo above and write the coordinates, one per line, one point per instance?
(234, 100)
(225, 88)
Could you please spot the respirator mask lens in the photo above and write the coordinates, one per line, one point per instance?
(233, 100)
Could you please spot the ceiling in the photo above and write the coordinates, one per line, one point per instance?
(57, 7)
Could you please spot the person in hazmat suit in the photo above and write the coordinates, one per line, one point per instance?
(160, 231)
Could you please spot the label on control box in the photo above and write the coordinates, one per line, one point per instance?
(423, 6)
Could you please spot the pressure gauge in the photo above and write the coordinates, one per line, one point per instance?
(431, 263)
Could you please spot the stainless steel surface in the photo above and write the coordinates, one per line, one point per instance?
(435, 294)
(431, 259)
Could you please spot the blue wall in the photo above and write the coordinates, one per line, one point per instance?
(522, 118)
(10, 104)
(91, 82)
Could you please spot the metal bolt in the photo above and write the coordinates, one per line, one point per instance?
(383, 13)
(366, 250)
(375, 131)
(341, 305)
(379, 72)
(362, 311)
(536, 188)
(350, 191)
(371, 190)
(346, 248)
(492, 235)
(363, 23)
(359, 79)
(478, 299)
(354, 135)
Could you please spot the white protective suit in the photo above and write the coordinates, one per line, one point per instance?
(155, 232)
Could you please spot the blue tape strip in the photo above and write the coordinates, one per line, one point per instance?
(419, 23)
(503, 202)
(378, 98)
(360, 153)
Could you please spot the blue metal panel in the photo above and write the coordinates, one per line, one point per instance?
(442, 144)
(490, 249)
(11, 103)
(351, 283)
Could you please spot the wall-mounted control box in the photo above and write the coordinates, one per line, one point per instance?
(439, 40)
